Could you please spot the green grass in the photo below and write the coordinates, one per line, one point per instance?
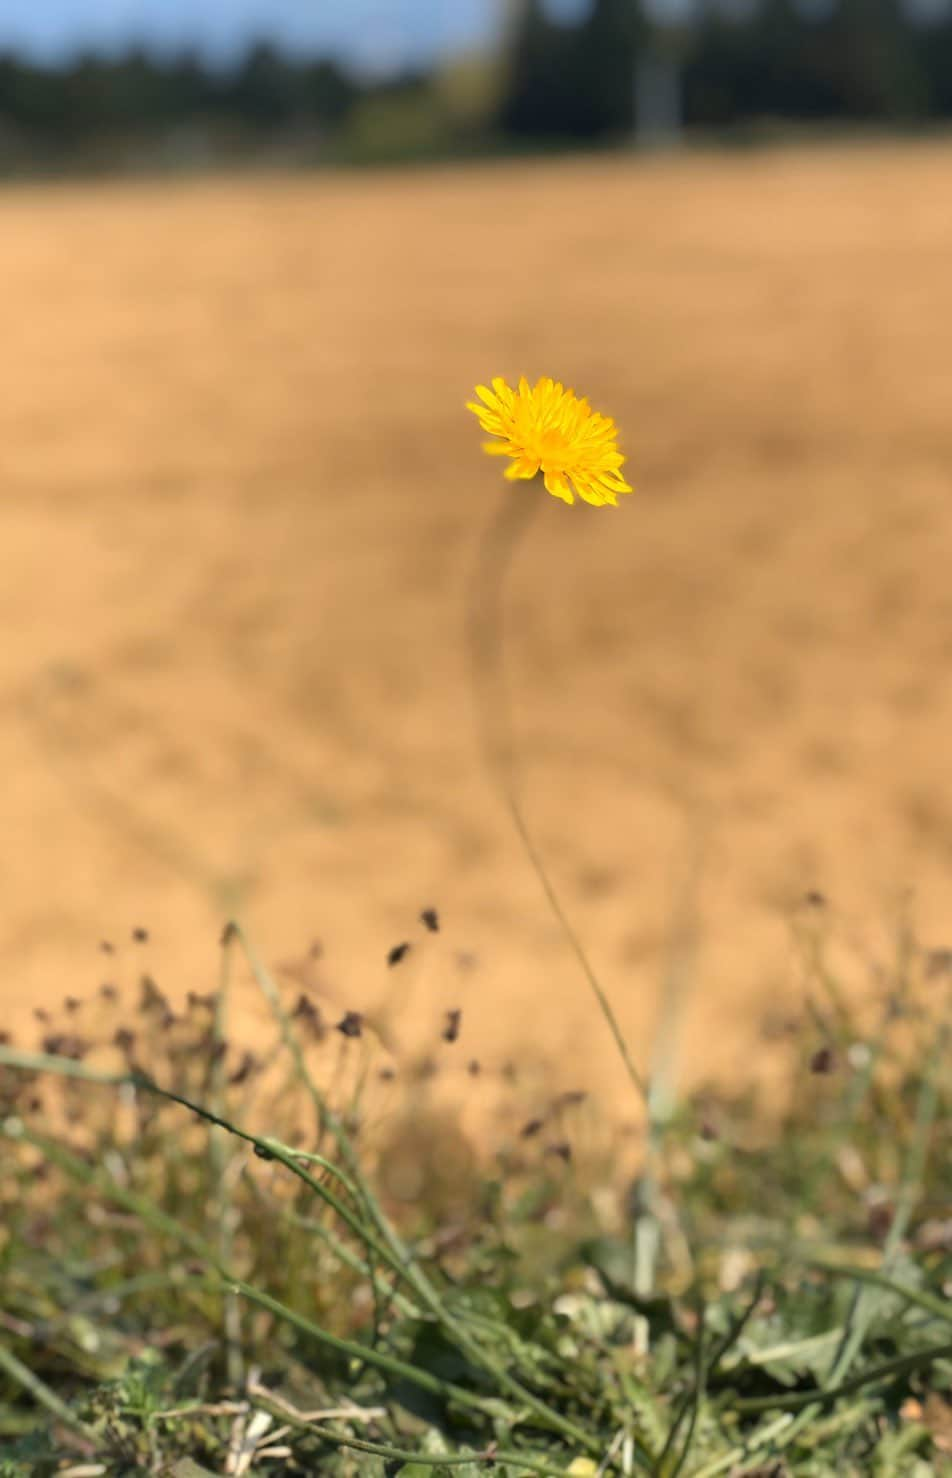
(298, 1262)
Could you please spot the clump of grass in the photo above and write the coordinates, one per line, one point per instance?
(294, 1257)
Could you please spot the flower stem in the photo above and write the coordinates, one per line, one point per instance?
(485, 632)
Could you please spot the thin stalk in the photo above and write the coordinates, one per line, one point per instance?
(888, 1370)
(290, 1418)
(690, 1408)
(678, 971)
(289, 1038)
(485, 625)
(697, 1400)
(42, 1394)
(737, 1325)
(218, 1163)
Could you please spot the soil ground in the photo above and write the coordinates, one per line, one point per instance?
(240, 502)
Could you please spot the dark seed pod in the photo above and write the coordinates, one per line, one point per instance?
(451, 1029)
(351, 1024)
(823, 1061)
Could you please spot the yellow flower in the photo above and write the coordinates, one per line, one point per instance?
(547, 428)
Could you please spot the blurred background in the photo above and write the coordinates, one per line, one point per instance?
(253, 257)
(123, 84)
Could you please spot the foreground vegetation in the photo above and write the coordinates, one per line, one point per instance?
(292, 1259)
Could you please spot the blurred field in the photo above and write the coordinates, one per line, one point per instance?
(240, 502)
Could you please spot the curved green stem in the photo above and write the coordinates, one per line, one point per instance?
(485, 642)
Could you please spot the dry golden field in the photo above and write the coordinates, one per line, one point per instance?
(240, 502)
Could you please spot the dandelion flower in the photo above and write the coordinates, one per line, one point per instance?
(546, 428)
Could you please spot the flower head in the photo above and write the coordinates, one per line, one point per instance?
(546, 428)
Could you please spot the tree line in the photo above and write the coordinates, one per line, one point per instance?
(737, 61)
(806, 60)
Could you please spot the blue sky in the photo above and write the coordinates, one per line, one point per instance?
(371, 34)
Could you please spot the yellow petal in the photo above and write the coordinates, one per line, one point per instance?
(556, 484)
(592, 494)
(490, 424)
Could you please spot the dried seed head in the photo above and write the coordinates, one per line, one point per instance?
(451, 1029)
(61, 1044)
(140, 935)
(397, 953)
(528, 1131)
(150, 997)
(244, 1069)
(823, 1061)
(430, 920)
(351, 1024)
(309, 1015)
